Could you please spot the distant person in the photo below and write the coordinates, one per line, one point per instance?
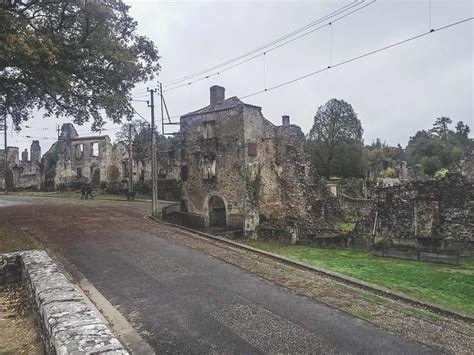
(89, 191)
(83, 191)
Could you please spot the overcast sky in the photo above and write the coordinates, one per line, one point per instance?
(395, 92)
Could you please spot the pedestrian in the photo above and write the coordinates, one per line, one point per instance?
(83, 191)
(89, 191)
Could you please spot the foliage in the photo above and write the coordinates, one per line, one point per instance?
(390, 172)
(441, 173)
(439, 147)
(253, 182)
(447, 285)
(348, 224)
(335, 141)
(72, 58)
(141, 140)
(53, 151)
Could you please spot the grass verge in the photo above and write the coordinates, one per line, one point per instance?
(448, 285)
(12, 240)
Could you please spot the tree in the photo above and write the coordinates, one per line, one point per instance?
(141, 140)
(441, 127)
(336, 140)
(440, 147)
(71, 58)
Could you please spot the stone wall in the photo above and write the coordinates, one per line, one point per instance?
(434, 215)
(67, 323)
(214, 164)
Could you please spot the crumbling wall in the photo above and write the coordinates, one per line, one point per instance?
(212, 163)
(434, 214)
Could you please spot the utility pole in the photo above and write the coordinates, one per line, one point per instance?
(5, 165)
(130, 163)
(154, 175)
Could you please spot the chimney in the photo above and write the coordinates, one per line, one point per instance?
(285, 120)
(217, 94)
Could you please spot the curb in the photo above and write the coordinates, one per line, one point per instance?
(380, 290)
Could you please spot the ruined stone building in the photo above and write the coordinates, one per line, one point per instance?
(81, 159)
(20, 174)
(237, 165)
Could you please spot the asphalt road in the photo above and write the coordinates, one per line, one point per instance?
(182, 300)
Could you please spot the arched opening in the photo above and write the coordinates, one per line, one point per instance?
(217, 213)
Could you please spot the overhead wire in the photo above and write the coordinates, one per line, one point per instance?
(398, 43)
(263, 47)
(269, 50)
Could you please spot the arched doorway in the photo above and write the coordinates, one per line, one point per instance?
(217, 213)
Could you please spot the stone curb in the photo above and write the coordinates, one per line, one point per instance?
(68, 325)
(469, 318)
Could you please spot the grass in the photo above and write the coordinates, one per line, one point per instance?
(447, 285)
(14, 240)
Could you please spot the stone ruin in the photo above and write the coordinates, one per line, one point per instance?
(426, 215)
(230, 167)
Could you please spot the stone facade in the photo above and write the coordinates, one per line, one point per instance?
(236, 166)
(21, 174)
(434, 214)
(35, 152)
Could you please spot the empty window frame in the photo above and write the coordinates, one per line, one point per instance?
(95, 149)
(79, 172)
(80, 151)
(208, 168)
(209, 130)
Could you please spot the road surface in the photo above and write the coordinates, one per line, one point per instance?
(183, 300)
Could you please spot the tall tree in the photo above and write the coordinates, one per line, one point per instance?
(72, 58)
(335, 131)
(441, 127)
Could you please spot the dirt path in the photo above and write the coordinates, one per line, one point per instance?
(18, 334)
(162, 279)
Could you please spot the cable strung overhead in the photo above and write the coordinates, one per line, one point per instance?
(333, 14)
(396, 44)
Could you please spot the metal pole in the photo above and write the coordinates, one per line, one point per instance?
(130, 162)
(154, 190)
(5, 166)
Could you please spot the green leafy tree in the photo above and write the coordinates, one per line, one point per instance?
(335, 140)
(439, 147)
(441, 127)
(71, 58)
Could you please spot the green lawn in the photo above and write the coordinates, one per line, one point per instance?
(447, 285)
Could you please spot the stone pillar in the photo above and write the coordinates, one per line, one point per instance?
(285, 120)
(35, 152)
(24, 155)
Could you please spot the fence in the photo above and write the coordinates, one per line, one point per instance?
(419, 255)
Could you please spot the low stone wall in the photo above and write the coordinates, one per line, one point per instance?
(66, 322)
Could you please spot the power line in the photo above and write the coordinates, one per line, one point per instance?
(353, 59)
(271, 49)
(361, 56)
(343, 9)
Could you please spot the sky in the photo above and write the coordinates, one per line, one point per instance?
(395, 92)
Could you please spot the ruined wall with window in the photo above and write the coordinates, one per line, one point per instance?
(255, 168)
(212, 158)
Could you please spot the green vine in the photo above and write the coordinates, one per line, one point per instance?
(253, 183)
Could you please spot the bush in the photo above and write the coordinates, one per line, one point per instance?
(441, 173)
(390, 172)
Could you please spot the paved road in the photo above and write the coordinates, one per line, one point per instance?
(184, 301)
